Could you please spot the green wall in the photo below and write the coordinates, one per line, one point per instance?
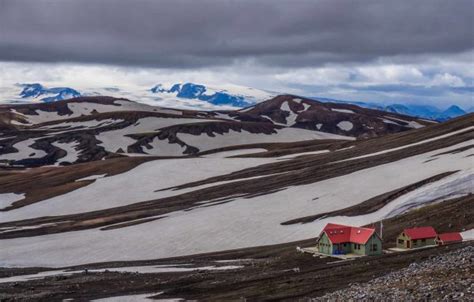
(326, 247)
(373, 240)
(414, 243)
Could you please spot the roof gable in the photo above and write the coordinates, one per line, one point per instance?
(420, 233)
(449, 237)
(338, 233)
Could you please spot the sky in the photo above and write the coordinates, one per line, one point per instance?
(418, 52)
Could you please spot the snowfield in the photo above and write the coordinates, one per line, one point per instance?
(24, 151)
(86, 108)
(468, 235)
(127, 269)
(72, 154)
(138, 184)
(232, 138)
(6, 199)
(345, 125)
(118, 139)
(243, 222)
(343, 110)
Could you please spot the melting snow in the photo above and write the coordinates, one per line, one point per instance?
(411, 124)
(342, 110)
(233, 138)
(24, 151)
(92, 177)
(235, 152)
(117, 139)
(291, 118)
(6, 199)
(126, 269)
(345, 125)
(468, 235)
(303, 153)
(139, 184)
(72, 154)
(163, 148)
(414, 144)
(243, 222)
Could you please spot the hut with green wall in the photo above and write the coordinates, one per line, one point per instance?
(416, 237)
(336, 239)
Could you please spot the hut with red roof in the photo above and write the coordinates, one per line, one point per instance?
(417, 237)
(448, 238)
(337, 239)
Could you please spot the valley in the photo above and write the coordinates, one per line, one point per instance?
(199, 203)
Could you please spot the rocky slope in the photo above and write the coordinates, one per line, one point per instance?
(447, 277)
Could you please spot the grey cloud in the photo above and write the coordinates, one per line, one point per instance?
(190, 34)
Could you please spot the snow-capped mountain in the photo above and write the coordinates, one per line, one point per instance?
(176, 95)
(235, 96)
(192, 96)
(38, 92)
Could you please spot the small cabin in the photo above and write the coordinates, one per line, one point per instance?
(448, 238)
(337, 239)
(417, 237)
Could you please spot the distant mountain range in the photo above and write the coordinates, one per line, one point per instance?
(47, 95)
(421, 111)
(190, 95)
(203, 93)
(198, 96)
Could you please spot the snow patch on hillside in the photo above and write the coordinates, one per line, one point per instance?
(139, 184)
(148, 269)
(413, 144)
(235, 152)
(232, 138)
(342, 110)
(117, 139)
(24, 151)
(243, 222)
(345, 125)
(72, 154)
(6, 199)
(411, 124)
(468, 235)
(160, 147)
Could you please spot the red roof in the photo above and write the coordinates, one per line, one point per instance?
(338, 233)
(420, 233)
(450, 237)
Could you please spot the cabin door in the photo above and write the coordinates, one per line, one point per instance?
(408, 244)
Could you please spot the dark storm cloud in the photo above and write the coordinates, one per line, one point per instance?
(202, 33)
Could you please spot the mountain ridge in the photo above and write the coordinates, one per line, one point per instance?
(93, 128)
(225, 97)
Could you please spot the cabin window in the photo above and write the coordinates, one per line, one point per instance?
(345, 244)
(423, 240)
(373, 247)
(401, 241)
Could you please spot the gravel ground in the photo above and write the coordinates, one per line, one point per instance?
(446, 277)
